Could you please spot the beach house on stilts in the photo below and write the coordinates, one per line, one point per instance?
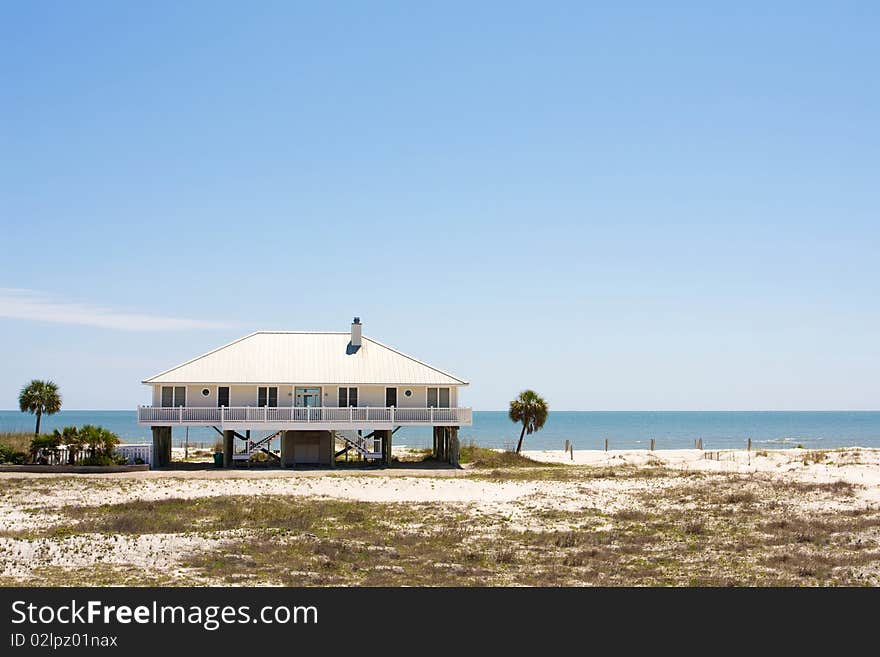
(318, 394)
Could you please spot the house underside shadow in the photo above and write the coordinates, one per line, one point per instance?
(315, 448)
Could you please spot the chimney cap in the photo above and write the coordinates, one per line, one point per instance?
(357, 320)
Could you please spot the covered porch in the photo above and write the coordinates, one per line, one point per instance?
(312, 418)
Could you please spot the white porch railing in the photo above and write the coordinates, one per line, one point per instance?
(61, 455)
(295, 415)
(142, 452)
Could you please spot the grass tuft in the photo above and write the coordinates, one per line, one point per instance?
(16, 441)
(481, 457)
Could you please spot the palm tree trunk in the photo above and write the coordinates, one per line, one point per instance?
(39, 416)
(522, 433)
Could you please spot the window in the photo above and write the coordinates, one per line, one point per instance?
(438, 397)
(267, 396)
(223, 396)
(173, 396)
(407, 393)
(205, 392)
(348, 397)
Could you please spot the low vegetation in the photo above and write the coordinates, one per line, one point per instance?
(86, 445)
(14, 447)
(663, 528)
(482, 457)
(16, 441)
(9, 456)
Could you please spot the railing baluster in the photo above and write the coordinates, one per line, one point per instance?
(304, 414)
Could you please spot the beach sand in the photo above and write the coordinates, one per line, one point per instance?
(571, 494)
(855, 465)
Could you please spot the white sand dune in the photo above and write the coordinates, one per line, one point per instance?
(856, 465)
(521, 502)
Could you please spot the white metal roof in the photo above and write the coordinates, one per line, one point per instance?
(305, 357)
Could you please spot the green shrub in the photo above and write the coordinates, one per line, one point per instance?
(45, 441)
(100, 441)
(75, 442)
(9, 455)
(43, 445)
(105, 459)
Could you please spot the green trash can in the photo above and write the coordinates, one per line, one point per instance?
(218, 459)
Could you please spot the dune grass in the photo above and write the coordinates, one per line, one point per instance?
(620, 525)
(16, 441)
(482, 457)
(717, 530)
(14, 447)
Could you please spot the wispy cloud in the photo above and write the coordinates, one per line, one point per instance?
(41, 307)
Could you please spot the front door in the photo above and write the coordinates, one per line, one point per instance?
(390, 396)
(308, 397)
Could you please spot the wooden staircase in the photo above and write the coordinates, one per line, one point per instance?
(260, 445)
(369, 447)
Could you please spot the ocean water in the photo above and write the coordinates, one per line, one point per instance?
(586, 429)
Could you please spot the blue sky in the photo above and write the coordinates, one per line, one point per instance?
(624, 206)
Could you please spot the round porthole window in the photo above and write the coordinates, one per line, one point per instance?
(408, 393)
(205, 392)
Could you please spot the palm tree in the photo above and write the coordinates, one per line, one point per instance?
(531, 409)
(39, 397)
(75, 443)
